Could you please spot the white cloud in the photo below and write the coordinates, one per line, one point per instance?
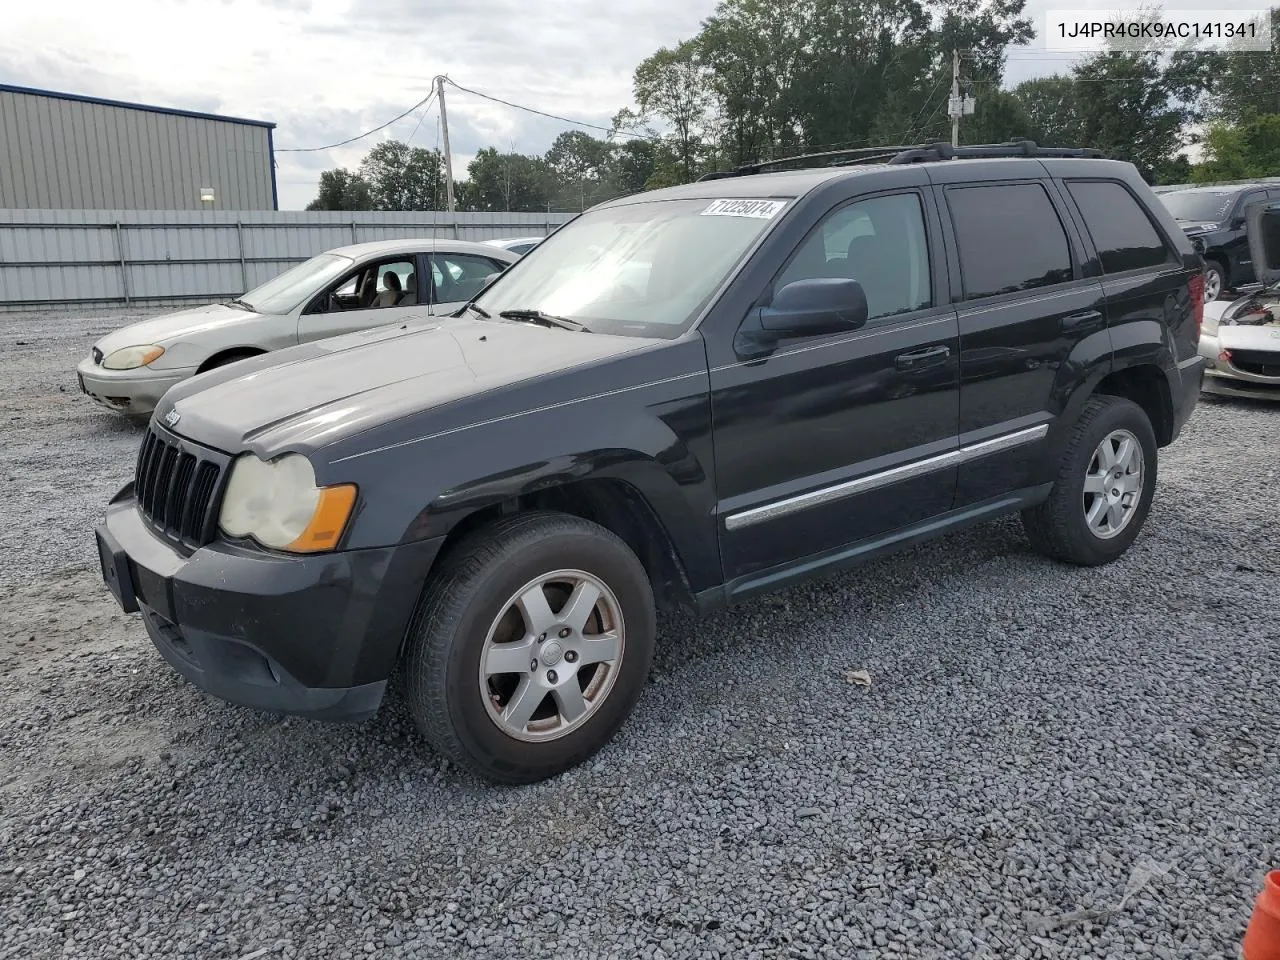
(324, 70)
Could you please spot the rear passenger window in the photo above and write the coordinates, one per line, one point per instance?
(1123, 233)
(1010, 238)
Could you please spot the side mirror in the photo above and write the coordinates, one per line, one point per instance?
(812, 307)
(803, 308)
(1263, 232)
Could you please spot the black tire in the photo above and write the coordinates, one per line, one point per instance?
(1215, 278)
(1057, 528)
(460, 603)
(231, 356)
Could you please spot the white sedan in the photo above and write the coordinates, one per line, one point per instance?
(341, 291)
(520, 245)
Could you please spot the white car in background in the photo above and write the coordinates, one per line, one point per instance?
(341, 291)
(1241, 339)
(517, 245)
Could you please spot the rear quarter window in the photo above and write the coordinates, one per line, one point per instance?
(1009, 237)
(1121, 229)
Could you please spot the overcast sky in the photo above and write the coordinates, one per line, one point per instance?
(324, 70)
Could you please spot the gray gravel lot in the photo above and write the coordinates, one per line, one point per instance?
(1035, 737)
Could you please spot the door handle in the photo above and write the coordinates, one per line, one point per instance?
(927, 357)
(1081, 322)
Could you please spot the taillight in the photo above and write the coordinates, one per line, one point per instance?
(1195, 290)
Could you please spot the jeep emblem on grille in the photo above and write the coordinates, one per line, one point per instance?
(172, 417)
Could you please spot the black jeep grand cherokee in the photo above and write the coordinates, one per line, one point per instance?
(684, 396)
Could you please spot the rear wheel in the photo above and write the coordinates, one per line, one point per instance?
(531, 646)
(1103, 489)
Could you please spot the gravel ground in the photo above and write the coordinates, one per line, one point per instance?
(1049, 762)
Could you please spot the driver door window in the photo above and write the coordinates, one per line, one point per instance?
(377, 293)
(879, 242)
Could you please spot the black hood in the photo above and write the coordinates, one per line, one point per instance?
(314, 394)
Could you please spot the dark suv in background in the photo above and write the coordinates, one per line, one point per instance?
(1213, 218)
(682, 397)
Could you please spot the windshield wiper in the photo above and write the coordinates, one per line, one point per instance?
(480, 310)
(546, 319)
(242, 304)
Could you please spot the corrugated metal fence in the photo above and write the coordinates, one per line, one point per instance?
(83, 258)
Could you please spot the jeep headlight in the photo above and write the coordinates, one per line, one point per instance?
(128, 358)
(278, 504)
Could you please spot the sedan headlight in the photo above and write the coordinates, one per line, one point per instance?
(278, 504)
(127, 358)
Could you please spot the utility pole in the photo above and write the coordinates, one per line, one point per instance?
(448, 156)
(957, 106)
(954, 104)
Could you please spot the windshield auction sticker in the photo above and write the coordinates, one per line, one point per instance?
(758, 209)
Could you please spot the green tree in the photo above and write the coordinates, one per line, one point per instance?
(581, 167)
(1051, 108)
(672, 84)
(633, 164)
(998, 116)
(1241, 152)
(1128, 108)
(1245, 84)
(341, 189)
(791, 76)
(401, 177)
(507, 182)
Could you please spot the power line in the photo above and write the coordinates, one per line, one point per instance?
(342, 143)
(426, 102)
(422, 116)
(552, 116)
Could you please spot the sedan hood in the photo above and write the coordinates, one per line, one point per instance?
(1250, 338)
(168, 327)
(306, 396)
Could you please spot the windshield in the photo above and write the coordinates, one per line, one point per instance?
(1198, 205)
(283, 293)
(641, 269)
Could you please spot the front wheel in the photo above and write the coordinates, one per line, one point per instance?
(530, 647)
(1103, 489)
(1214, 281)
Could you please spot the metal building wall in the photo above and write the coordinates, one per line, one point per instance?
(59, 151)
(87, 258)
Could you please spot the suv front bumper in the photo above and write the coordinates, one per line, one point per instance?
(315, 636)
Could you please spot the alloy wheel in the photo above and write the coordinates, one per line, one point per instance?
(1113, 484)
(552, 655)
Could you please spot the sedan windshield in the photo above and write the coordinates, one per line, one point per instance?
(281, 294)
(1198, 205)
(640, 269)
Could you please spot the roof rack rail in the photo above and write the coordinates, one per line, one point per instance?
(749, 168)
(1011, 148)
(921, 153)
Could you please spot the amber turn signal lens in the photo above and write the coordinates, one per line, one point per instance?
(333, 509)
